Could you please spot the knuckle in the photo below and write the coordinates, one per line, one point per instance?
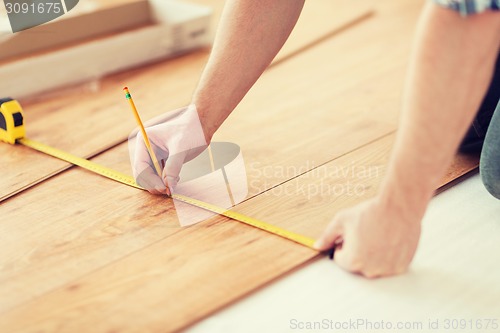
(371, 274)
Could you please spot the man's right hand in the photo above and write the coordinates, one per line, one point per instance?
(176, 138)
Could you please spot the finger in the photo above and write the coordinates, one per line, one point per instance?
(172, 169)
(149, 180)
(142, 160)
(345, 259)
(331, 235)
(348, 256)
(144, 173)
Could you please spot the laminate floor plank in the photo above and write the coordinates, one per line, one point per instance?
(82, 253)
(78, 221)
(183, 273)
(132, 248)
(352, 124)
(89, 122)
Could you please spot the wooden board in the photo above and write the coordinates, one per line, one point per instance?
(142, 258)
(462, 166)
(319, 18)
(44, 242)
(87, 122)
(84, 253)
(70, 269)
(88, 20)
(88, 255)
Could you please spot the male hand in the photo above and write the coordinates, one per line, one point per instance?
(373, 239)
(176, 138)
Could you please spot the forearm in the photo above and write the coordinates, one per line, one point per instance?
(449, 74)
(249, 36)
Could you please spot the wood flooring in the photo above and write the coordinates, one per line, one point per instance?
(81, 253)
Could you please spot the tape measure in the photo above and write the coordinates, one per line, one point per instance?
(12, 131)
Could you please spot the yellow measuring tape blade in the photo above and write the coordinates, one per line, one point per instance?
(128, 180)
(307, 241)
(81, 162)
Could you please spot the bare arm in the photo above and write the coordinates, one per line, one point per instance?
(449, 75)
(249, 36)
(451, 67)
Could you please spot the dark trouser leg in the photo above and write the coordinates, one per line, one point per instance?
(490, 156)
(474, 139)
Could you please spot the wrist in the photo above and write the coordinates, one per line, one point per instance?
(207, 124)
(410, 200)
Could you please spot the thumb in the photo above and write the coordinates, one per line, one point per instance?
(330, 236)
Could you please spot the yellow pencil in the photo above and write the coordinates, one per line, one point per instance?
(144, 134)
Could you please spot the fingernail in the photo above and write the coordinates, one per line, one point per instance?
(318, 244)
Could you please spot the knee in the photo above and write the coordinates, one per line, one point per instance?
(490, 175)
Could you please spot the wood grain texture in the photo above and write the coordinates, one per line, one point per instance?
(131, 249)
(75, 220)
(18, 214)
(319, 18)
(90, 121)
(82, 253)
(462, 166)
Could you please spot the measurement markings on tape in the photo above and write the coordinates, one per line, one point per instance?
(14, 132)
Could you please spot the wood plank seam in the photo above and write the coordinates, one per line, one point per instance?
(279, 61)
(320, 165)
(198, 232)
(459, 179)
(58, 172)
(305, 260)
(261, 287)
(323, 38)
(215, 221)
